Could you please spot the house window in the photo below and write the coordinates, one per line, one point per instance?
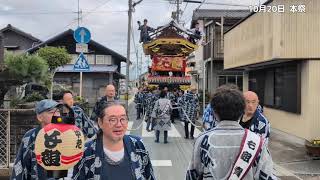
(90, 58)
(100, 59)
(103, 59)
(278, 87)
(108, 59)
(231, 79)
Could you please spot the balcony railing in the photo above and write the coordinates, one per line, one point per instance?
(169, 80)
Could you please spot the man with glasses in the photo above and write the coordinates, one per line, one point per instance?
(25, 165)
(253, 119)
(111, 154)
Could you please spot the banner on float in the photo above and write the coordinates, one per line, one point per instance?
(168, 63)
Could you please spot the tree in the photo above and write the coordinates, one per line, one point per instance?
(26, 68)
(20, 69)
(55, 57)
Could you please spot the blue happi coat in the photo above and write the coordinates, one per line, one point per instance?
(208, 118)
(209, 121)
(90, 166)
(25, 166)
(138, 99)
(189, 102)
(260, 124)
(150, 100)
(83, 122)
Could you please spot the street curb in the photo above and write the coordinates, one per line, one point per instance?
(288, 137)
(283, 171)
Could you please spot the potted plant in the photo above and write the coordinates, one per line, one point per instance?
(313, 148)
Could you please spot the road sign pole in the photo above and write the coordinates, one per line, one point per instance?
(82, 36)
(80, 91)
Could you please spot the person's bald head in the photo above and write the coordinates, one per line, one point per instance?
(110, 91)
(252, 102)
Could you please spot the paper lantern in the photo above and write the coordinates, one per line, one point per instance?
(59, 146)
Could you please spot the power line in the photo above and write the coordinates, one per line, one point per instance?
(228, 4)
(57, 13)
(73, 21)
(201, 4)
(185, 7)
(97, 7)
(189, 19)
(220, 4)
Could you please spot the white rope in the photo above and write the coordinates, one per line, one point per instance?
(179, 107)
(145, 114)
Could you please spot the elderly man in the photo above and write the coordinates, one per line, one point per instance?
(208, 118)
(82, 121)
(230, 151)
(25, 165)
(253, 119)
(111, 154)
(110, 93)
(189, 103)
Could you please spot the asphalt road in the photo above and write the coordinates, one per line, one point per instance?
(171, 160)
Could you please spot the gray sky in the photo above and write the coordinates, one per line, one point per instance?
(106, 19)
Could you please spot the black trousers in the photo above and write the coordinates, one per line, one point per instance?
(186, 129)
(165, 136)
(172, 117)
(139, 111)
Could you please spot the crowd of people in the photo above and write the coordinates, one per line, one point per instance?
(233, 145)
(161, 107)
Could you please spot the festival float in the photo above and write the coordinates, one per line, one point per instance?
(169, 48)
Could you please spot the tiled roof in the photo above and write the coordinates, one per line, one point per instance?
(217, 13)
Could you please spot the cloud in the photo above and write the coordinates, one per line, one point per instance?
(108, 22)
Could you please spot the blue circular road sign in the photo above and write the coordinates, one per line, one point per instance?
(82, 35)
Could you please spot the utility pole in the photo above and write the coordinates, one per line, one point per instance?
(212, 40)
(54, 72)
(131, 6)
(128, 53)
(222, 36)
(178, 10)
(1, 52)
(139, 70)
(78, 12)
(81, 77)
(137, 65)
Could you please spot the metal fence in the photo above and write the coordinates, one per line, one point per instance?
(4, 139)
(14, 123)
